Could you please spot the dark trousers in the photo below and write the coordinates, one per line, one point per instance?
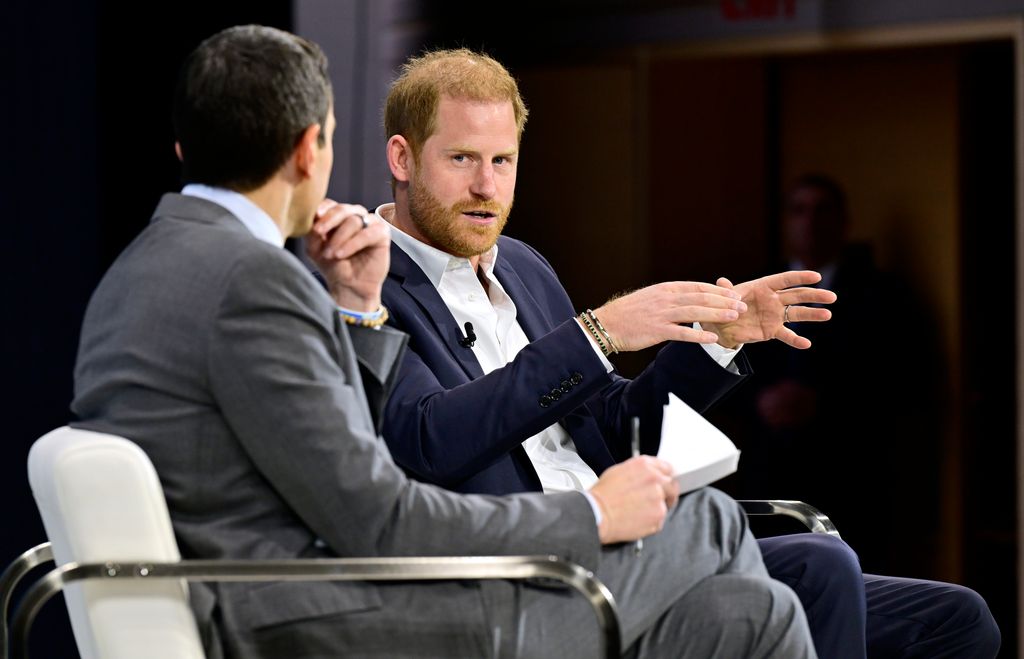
(854, 615)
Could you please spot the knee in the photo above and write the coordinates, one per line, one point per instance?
(828, 555)
(719, 505)
(978, 628)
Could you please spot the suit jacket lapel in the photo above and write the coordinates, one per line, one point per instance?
(415, 284)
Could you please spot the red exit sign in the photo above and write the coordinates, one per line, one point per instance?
(745, 10)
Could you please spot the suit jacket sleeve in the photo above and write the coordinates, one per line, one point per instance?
(444, 432)
(282, 371)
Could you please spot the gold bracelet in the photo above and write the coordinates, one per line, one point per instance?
(380, 317)
(602, 330)
(593, 332)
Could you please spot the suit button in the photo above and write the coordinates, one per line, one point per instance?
(555, 394)
(576, 378)
(545, 401)
(565, 386)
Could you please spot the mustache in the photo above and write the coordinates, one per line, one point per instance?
(489, 206)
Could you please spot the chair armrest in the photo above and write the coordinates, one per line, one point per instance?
(331, 569)
(811, 517)
(13, 575)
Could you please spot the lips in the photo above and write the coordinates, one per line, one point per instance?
(480, 216)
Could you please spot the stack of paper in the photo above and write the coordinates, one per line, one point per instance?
(699, 452)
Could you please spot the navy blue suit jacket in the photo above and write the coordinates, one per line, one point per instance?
(448, 423)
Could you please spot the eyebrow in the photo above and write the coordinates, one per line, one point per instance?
(466, 149)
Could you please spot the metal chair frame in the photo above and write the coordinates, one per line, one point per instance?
(523, 568)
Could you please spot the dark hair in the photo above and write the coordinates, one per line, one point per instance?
(243, 99)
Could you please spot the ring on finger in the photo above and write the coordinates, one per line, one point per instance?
(785, 314)
(365, 219)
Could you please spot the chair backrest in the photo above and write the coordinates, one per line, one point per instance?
(101, 501)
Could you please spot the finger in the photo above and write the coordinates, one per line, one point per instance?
(724, 283)
(691, 335)
(791, 338)
(703, 315)
(807, 296)
(331, 215)
(671, 493)
(792, 278)
(684, 287)
(339, 237)
(375, 235)
(710, 300)
(662, 466)
(808, 314)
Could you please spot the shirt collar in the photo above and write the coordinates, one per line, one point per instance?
(433, 262)
(248, 213)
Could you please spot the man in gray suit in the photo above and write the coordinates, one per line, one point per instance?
(253, 392)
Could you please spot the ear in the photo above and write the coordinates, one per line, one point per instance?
(177, 151)
(307, 150)
(400, 158)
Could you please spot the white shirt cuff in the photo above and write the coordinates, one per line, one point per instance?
(593, 504)
(724, 356)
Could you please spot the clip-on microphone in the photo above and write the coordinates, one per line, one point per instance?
(470, 339)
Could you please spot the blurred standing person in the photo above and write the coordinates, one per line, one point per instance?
(841, 426)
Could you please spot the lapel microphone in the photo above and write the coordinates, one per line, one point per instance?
(470, 339)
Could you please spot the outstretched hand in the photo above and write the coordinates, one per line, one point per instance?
(353, 258)
(767, 300)
(663, 311)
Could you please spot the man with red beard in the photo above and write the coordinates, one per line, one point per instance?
(506, 389)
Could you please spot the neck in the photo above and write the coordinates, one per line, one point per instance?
(276, 201)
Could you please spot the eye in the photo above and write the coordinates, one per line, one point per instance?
(460, 158)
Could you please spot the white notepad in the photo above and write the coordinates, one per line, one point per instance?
(699, 452)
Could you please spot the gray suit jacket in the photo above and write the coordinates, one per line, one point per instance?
(225, 361)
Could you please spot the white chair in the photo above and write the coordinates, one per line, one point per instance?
(124, 582)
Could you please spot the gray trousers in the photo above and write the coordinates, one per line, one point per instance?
(699, 589)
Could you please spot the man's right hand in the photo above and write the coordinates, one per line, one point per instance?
(657, 313)
(352, 256)
(634, 497)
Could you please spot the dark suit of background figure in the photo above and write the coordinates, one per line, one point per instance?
(850, 424)
(468, 438)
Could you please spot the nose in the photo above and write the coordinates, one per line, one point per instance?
(482, 185)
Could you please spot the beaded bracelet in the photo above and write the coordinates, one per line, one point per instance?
(602, 330)
(593, 332)
(373, 319)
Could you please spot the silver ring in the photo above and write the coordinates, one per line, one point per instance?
(785, 314)
(365, 220)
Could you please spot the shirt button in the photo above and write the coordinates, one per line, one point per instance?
(576, 378)
(545, 401)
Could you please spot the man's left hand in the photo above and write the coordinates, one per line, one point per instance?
(767, 299)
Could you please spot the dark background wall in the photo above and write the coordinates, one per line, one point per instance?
(627, 144)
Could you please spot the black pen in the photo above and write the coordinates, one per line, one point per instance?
(636, 451)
